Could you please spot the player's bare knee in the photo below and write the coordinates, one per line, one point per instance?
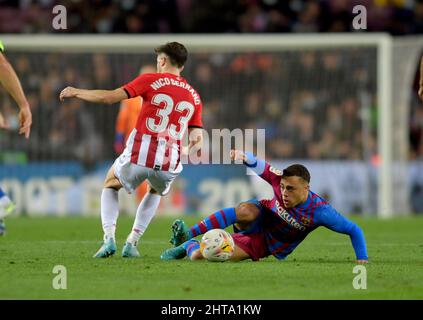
(111, 181)
(112, 186)
(246, 212)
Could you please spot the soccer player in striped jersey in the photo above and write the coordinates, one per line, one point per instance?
(170, 106)
(10, 81)
(269, 227)
(125, 123)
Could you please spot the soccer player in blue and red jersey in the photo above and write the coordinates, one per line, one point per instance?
(269, 227)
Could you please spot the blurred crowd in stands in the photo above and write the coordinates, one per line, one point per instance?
(197, 16)
(295, 96)
(315, 104)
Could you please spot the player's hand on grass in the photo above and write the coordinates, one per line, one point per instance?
(68, 92)
(238, 155)
(25, 121)
(362, 261)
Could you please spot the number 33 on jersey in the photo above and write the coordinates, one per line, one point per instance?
(170, 106)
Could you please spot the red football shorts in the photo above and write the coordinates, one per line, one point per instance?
(254, 244)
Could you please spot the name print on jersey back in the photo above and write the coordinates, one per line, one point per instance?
(170, 106)
(181, 84)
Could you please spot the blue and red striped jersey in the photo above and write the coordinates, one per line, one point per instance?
(285, 228)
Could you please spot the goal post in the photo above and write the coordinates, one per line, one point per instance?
(290, 46)
(384, 88)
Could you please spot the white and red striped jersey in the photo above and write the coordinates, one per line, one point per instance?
(170, 105)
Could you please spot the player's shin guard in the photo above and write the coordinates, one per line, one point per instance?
(218, 220)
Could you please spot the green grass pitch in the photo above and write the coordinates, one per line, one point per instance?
(320, 268)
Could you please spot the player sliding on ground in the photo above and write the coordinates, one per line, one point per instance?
(269, 227)
(152, 153)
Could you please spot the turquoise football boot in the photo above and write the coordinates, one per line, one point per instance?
(130, 251)
(178, 252)
(180, 233)
(108, 249)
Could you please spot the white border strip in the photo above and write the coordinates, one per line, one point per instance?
(208, 42)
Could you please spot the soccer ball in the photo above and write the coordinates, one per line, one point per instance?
(217, 245)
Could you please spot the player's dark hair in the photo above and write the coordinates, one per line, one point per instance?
(176, 52)
(297, 170)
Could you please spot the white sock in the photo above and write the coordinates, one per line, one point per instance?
(109, 212)
(145, 212)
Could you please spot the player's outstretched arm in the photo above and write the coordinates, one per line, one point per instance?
(10, 81)
(421, 80)
(96, 96)
(247, 158)
(331, 219)
(263, 169)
